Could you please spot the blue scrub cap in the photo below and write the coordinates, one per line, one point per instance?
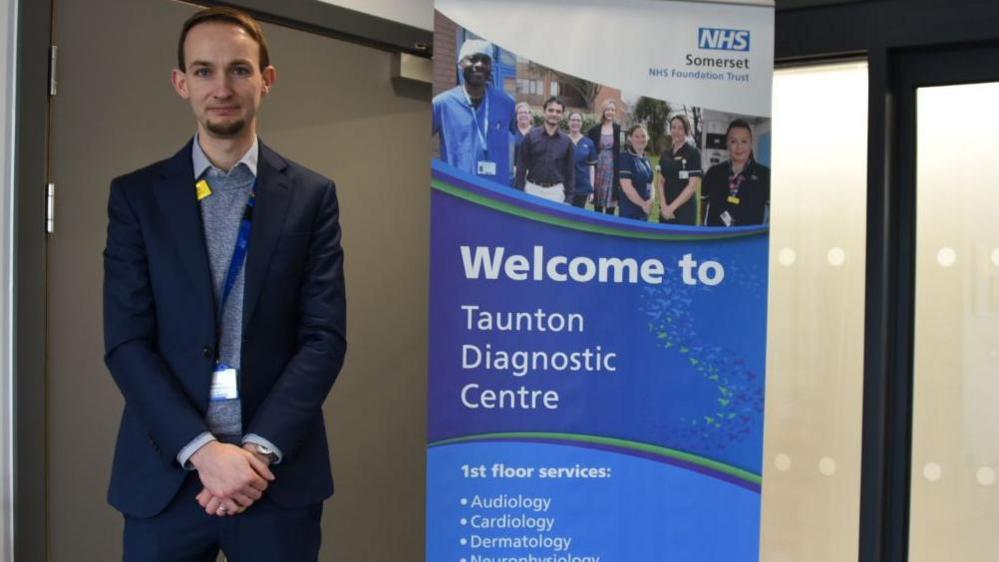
(475, 47)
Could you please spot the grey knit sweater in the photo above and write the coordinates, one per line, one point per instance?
(221, 214)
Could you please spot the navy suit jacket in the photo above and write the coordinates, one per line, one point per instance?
(160, 326)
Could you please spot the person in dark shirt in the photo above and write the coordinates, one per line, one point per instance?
(737, 191)
(636, 176)
(545, 164)
(680, 165)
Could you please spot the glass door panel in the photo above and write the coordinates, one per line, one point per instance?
(811, 475)
(954, 504)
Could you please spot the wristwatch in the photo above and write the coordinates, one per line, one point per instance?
(266, 451)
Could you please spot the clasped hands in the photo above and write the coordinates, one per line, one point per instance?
(233, 477)
(667, 212)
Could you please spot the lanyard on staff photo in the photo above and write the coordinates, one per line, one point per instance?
(484, 128)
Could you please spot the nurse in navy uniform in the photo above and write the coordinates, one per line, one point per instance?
(681, 176)
(585, 161)
(737, 191)
(636, 176)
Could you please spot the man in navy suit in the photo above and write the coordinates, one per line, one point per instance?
(224, 320)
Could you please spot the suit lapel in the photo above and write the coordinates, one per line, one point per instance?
(273, 196)
(178, 202)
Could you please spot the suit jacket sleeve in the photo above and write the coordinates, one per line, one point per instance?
(295, 402)
(150, 388)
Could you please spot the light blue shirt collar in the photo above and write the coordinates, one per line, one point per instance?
(202, 163)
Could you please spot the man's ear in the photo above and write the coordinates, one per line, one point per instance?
(179, 80)
(269, 75)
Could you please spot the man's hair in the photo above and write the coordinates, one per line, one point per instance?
(224, 15)
(551, 100)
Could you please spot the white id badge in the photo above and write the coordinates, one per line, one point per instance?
(684, 174)
(486, 168)
(224, 383)
(726, 218)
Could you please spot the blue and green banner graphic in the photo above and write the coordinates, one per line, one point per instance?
(596, 382)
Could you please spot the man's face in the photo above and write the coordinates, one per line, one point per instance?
(553, 113)
(223, 81)
(477, 68)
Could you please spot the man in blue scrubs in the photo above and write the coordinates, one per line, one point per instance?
(474, 120)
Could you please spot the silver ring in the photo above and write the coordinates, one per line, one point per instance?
(221, 510)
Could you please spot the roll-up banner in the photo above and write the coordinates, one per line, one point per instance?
(598, 295)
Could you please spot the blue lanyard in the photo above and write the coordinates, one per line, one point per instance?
(239, 252)
(482, 130)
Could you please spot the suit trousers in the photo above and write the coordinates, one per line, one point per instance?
(183, 532)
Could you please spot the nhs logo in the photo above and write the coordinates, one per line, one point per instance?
(722, 39)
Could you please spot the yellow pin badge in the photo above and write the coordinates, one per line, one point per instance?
(203, 189)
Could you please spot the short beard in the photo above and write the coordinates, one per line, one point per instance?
(473, 81)
(225, 129)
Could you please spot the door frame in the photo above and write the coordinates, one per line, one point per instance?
(31, 104)
(913, 69)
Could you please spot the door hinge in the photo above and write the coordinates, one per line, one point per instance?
(53, 61)
(50, 208)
